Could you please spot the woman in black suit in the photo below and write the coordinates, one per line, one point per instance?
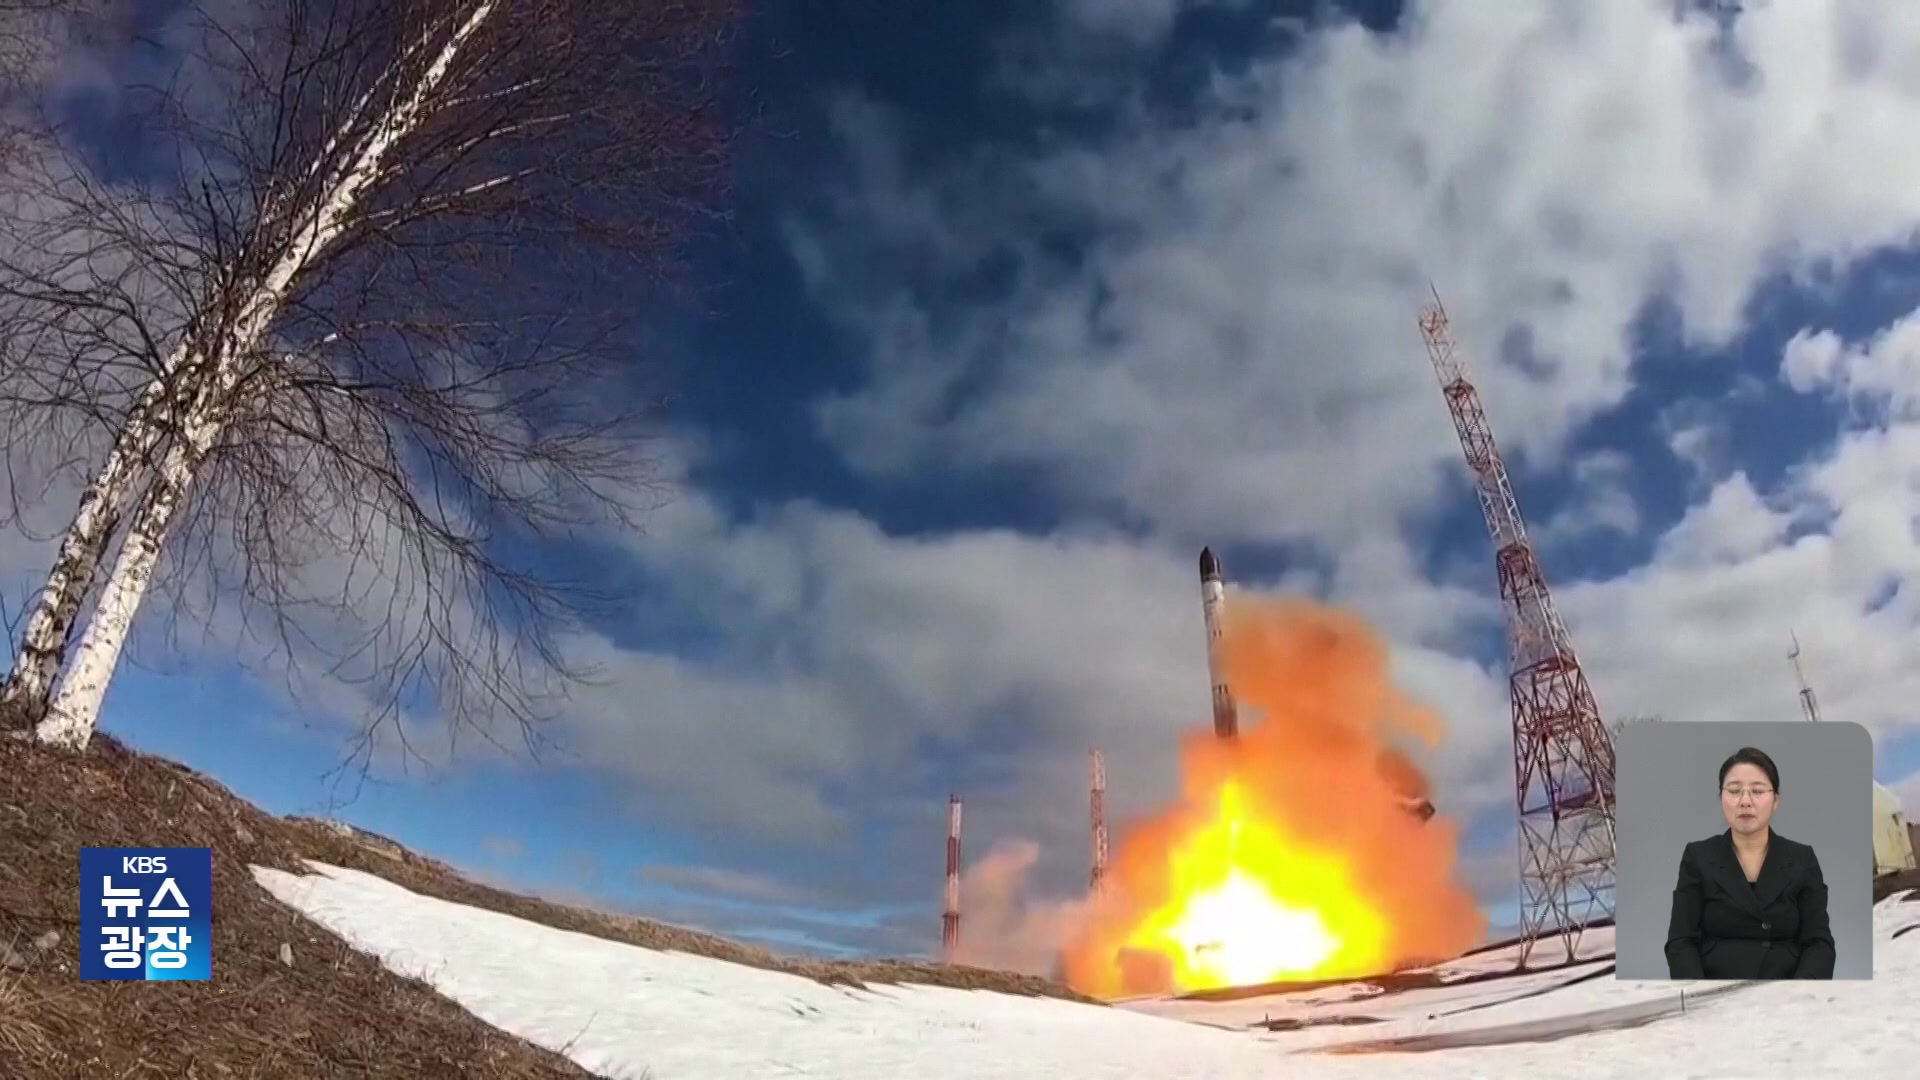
(1750, 903)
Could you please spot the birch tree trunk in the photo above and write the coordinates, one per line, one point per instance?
(49, 623)
(70, 719)
(74, 712)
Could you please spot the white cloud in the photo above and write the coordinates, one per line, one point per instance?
(1811, 359)
(1698, 434)
(863, 672)
(984, 642)
(1602, 501)
(1236, 355)
(1702, 632)
(880, 665)
(1732, 525)
(1907, 789)
(889, 661)
(1880, 373)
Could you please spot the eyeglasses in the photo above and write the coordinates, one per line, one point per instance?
(1758, 793)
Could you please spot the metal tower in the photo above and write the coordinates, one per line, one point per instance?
(1097, 816)
(950, 921)
(1562, 751)
(1807, 703)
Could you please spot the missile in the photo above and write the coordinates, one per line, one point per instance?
(1408, 785)
(1213, 598)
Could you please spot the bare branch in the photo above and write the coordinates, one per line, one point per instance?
(362, 324)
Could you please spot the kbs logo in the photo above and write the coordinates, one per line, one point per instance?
(146, 913)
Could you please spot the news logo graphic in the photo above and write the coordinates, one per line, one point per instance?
(146, 913)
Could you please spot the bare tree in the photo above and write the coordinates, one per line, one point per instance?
(374, 304)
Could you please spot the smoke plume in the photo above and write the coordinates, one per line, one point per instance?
(1003, 929)
(1298, 829)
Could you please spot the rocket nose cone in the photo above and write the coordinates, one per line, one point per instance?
(1209, 565)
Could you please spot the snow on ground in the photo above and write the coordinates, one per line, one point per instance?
(627, 1012)
(1360, 999)
(1593, 944)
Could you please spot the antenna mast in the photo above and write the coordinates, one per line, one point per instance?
(1562, 751)
(1808, 704)
(1097, 814)
(950, 922)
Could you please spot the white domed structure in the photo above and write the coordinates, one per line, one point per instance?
(1892, 842)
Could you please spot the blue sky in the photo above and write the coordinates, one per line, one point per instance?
(1022, 303)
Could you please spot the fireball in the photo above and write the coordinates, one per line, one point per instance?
(1291, 856)
(1249, 906)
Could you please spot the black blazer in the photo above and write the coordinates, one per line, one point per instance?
(1724, 927)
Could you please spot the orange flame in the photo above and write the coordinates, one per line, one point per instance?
(1292, 855)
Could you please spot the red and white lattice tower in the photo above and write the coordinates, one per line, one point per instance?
(1097, 814)
(950, 922)
(1562, 751)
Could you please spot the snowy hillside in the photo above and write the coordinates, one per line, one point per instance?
(627, 1012)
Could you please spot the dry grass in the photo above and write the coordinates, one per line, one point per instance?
(335, 1012)
(21, 1036)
